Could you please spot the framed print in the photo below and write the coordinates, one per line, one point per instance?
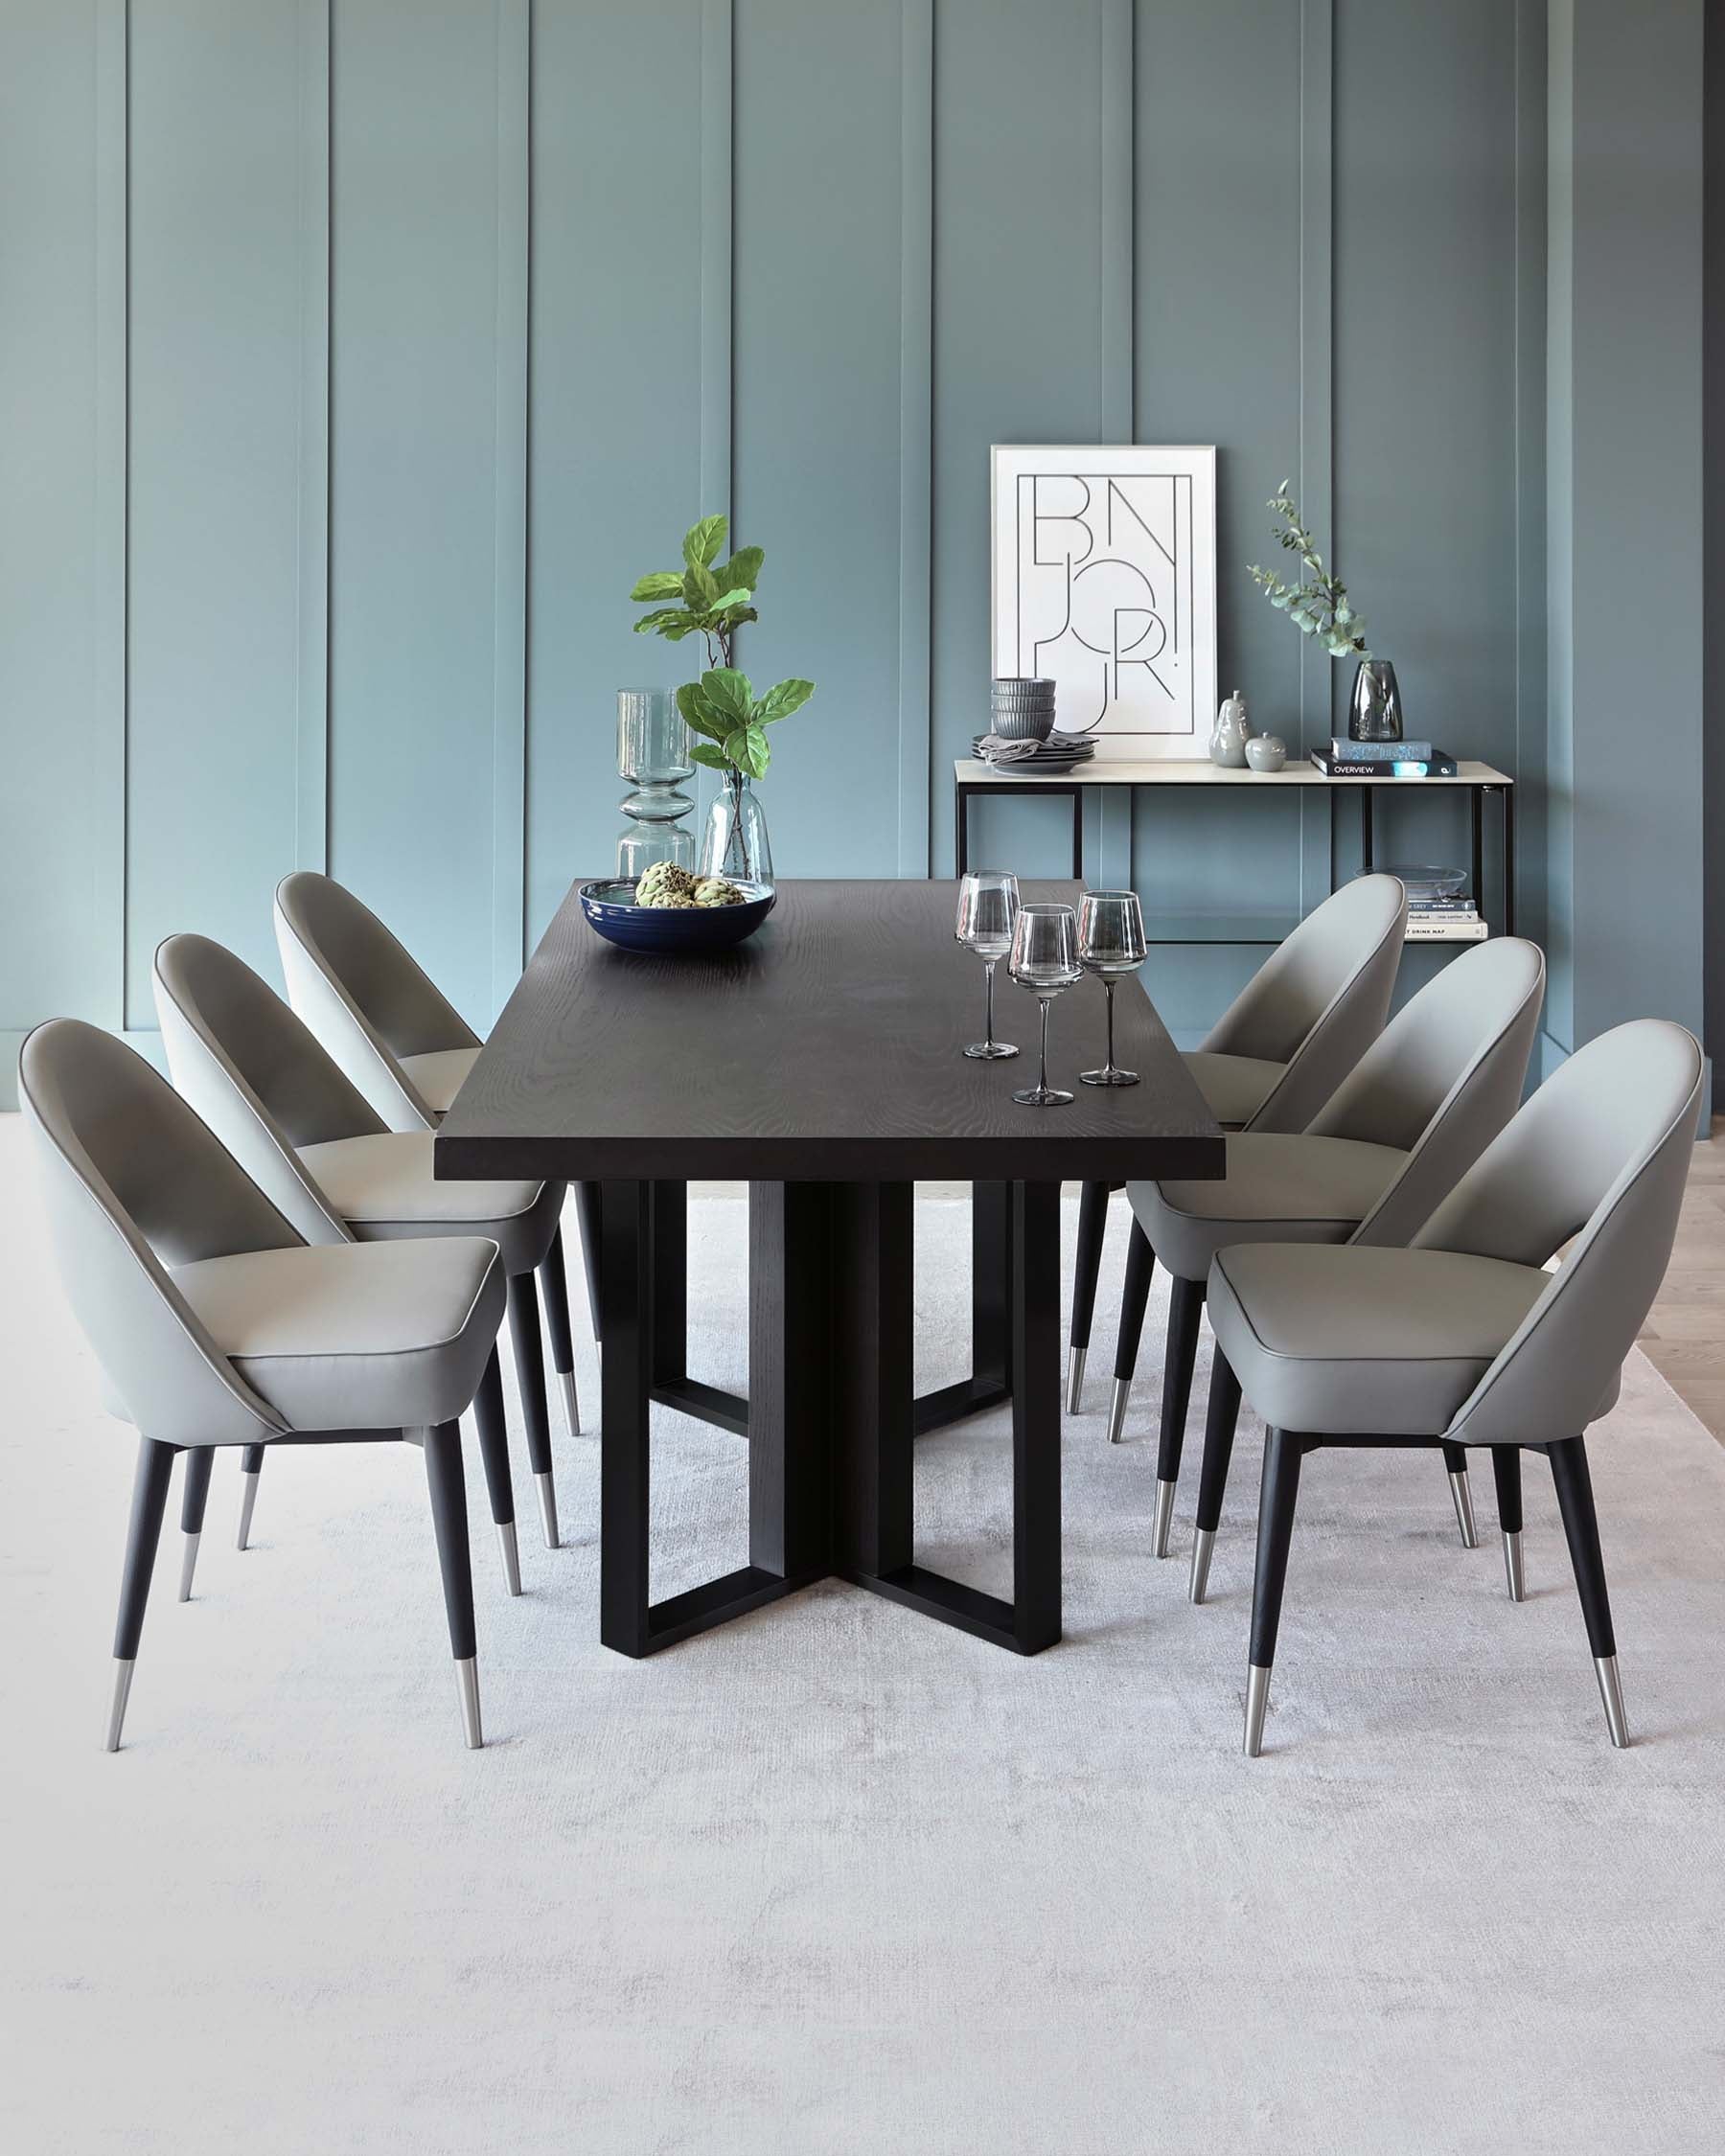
(1104, 579)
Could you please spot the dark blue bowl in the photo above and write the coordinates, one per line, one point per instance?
(610, 909)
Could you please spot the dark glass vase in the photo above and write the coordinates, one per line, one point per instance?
(1375, 711)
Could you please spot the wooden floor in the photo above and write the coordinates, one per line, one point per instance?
(1685, 1334)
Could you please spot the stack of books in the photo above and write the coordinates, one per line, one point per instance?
(1383, 759)
(1445, 919)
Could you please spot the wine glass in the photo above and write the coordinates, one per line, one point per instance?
(988, 905)
(1111, 943)
(1045, 960)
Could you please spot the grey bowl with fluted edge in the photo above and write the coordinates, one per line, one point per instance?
(609, 907)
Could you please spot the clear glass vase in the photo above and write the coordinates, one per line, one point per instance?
(736, 844)
(653, 754)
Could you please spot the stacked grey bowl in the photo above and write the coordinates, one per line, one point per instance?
(1023, 710)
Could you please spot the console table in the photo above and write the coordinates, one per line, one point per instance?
(973, 778)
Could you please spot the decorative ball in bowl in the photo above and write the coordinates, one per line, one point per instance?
(671, 911)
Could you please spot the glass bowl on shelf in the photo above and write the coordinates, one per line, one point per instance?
(1424, 881)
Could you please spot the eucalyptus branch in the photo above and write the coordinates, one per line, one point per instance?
(1320, 606)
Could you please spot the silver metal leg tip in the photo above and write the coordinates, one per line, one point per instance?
(547, 1500)
(1462, 1490)
(1257, 1700)
(571, 1404)
(248, 1496)
(1203, 1541)
(1513, 1573)
(1075, 1361)
(123, 1677)
(1164, 1517)
(188, 1565)
(1117, 1408)
(511, 1555)
(467, 1683)
(1611, 1693)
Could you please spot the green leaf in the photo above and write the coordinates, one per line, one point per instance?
(737, 596)
(744, 568)
(715, 759)
(749, 750)
(700, 588)
(662, 583)
(659, 621)
(727, 688)
(699, 716)
(783, 699)
(702, 542)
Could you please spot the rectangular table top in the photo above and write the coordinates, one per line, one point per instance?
(1187, 771)
(826, 1048)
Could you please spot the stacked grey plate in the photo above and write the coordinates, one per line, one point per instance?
(1023, 710)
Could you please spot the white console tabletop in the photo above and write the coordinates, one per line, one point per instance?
(970, 771)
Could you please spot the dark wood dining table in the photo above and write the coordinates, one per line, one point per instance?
(821, 1063)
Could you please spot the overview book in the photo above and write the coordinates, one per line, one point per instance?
(1436, 766)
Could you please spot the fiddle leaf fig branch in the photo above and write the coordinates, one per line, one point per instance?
(714, 603)
(1320, 606)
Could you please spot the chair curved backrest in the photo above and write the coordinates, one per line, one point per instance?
(363, 995)
(1443, 1078)
(257, 1075)
(1320, 1000)
(136, 1183)
(1600, 1155)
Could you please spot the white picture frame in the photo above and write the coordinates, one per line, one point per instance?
(1103, 578)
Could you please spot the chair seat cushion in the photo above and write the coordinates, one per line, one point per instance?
(1234, 1087)
(1362, 1341)
(1279, 1189)
(438, 1075)
(382, 1187)
(356, 1336)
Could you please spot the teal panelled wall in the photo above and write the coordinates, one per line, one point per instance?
(358, 354)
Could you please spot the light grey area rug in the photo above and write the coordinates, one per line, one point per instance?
(835, 1877)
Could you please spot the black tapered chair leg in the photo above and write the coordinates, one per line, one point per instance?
(447, 1486)
(1506, 1474)
(194, 1497)
(530, 1374)
(1219, 1425)
(587, 1203)
(1086, 1270)
(1180, 1358)
(494, 1453)
(1581, 1529)
(251, 1466)
(1135, 1301)
(150, 1501)
(1277, 1500)
(554, 1292)
(1454, 1459)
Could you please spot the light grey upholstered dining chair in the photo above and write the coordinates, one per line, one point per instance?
(1417, 1111)
(306, 1136)
(1269, 1062)
(216, 1325)
(407, 1048)
(1470, 1339)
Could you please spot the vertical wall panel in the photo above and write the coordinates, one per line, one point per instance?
(61, 944)
(1425, 339)
(1017, 336)
(1219, 360)
(413, 506)
(815, 477)
(619, 212)
(212, 796)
